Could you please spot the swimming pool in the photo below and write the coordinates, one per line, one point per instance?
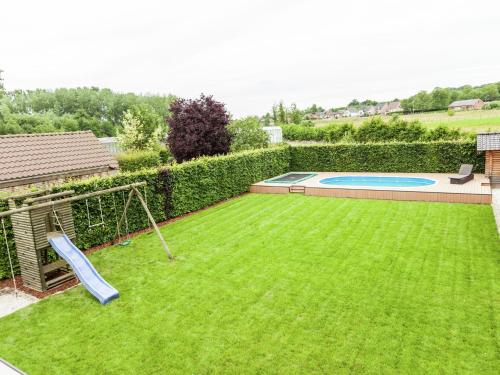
(378, 181)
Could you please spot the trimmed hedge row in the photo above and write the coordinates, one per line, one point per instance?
(414, 157)
(137, 160)
(171, 191)
(205, 181)
(4, 259)
(134, 161)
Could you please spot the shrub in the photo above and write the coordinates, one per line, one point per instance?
(137, 160)
(330, 133)
(308, 123)
(247, 134)
(442, 133)
(450, 112)
(412, 157)
(197, 128)
(141, 129)
(4, 259)
(396, 129)
(492, 105)
(372, 130)
(165, 155)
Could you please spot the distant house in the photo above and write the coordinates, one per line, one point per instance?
(370, 111)
(353, 112)
(111, 145)
(45, 159)
(466, 104)
(391, 107)
(378, 108)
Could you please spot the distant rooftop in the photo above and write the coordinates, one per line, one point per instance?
(460, 103)
(488, 141)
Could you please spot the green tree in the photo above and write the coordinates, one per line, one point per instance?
(295, 114)
(282, 115)
(141, 129)
(266, 120)
(247, 134)
(440, 98)
(8, 125)
(275, 114)
(489, 92)
(2, 88)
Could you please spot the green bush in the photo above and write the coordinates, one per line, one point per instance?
(4, 259)
(411, 157)
(137, 160)
(372, 130)
(396, 129)
(492, 105)
(330, 133)
(247, 134)
(165, 155)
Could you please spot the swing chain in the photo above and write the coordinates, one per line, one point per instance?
(100, 213)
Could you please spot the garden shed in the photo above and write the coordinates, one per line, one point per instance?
(490, 144)
(42, 160)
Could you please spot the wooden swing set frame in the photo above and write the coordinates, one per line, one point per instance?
(37, 202)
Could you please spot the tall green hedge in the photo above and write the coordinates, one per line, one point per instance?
(137, 160)
(96, 235)
(202, 182)
(4, 259)
(414, 157)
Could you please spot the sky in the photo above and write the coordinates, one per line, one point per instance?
(252, 54)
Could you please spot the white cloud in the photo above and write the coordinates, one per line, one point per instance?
(250, 54)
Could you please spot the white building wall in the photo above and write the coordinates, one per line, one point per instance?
(274, 133)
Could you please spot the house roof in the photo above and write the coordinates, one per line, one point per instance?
(488, 141)
(460, 103)
(38, 156)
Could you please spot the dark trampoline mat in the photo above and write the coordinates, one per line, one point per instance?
(292, 177)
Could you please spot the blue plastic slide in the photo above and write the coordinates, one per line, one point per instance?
(85, 271)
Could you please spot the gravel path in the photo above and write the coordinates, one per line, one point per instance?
(10, 303)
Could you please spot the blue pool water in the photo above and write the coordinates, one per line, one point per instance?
(377, 181)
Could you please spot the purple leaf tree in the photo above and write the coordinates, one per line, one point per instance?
(197, 127)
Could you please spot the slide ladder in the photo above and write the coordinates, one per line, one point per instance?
(85, 271)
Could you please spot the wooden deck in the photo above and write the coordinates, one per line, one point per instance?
(476, 191)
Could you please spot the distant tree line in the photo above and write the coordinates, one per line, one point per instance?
(72, 109)
(440, 98)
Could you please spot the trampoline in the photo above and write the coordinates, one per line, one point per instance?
(290, 178)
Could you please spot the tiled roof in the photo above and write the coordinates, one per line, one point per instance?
(24, 156)
(488, 141)
(460, 103)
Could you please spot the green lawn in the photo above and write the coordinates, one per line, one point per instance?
(473, 121)
(283, 284)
